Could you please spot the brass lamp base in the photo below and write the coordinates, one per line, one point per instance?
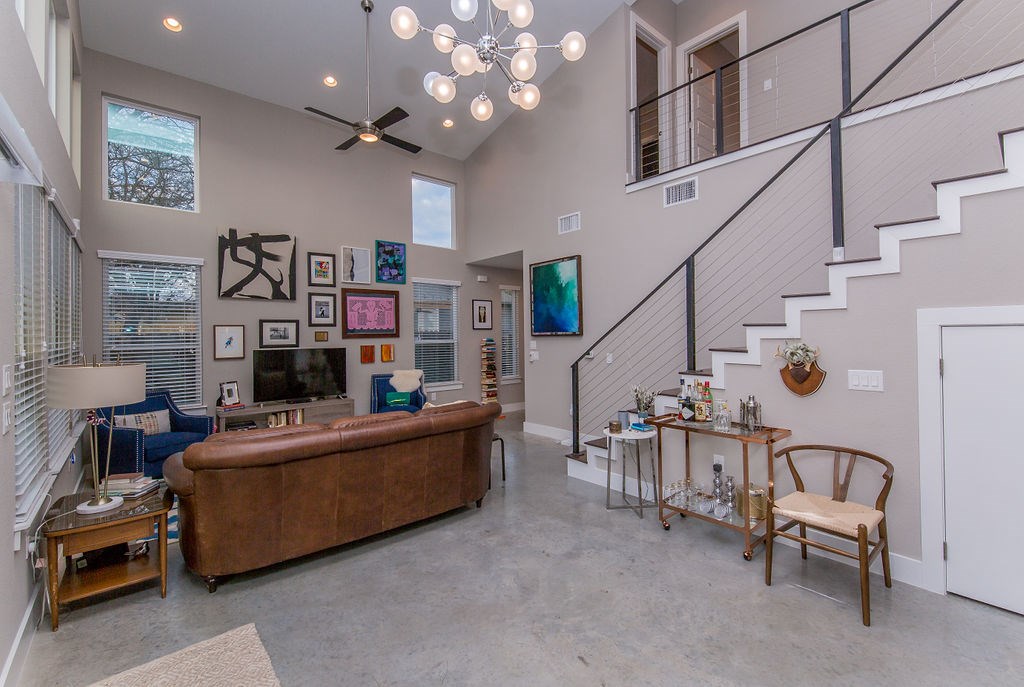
(99, 504)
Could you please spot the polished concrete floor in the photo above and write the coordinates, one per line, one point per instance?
(543, 586)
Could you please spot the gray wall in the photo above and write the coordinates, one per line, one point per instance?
(25, 95)
(265, 169)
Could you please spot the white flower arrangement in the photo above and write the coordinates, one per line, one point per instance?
(644, 398)
(798, 354)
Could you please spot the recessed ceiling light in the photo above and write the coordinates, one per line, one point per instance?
(447, 124)
(172, 24)
(330, 81)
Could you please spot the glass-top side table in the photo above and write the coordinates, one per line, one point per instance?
(630, 437)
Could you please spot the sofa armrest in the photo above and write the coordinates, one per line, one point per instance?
(201, 424)
(177, 476)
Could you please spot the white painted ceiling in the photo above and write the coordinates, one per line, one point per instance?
(280, 50)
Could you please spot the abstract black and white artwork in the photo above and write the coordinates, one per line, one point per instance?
(256, 266)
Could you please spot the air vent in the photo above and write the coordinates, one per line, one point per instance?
(680, 192)
(568, 223)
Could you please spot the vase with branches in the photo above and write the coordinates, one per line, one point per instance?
(644, 399)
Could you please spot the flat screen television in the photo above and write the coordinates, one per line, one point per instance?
(297, 374)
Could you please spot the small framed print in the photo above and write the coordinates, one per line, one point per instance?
(390, 262)
(320, 336)
(320, 268)
(366, 354)
(356, 265)
(228, 341)
(323, 310)
(387, 353)
(229, 394)
(482, 314)
(279, 333)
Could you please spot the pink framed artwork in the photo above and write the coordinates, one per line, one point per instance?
(369, 313)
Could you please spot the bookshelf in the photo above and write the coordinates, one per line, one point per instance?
(488, 372)
(278, 414)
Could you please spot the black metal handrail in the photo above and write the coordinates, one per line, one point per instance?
(833, 125)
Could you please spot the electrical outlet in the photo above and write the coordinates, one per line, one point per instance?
(8, 417)
(433, 395)
(767, 84)
(8, 382)
(609, 358)
(718, 460)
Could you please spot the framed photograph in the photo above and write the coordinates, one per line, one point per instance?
(256, 266)
(366, 354)
(229, 394)
(369, 313)
(322, 310)
(279, 333)
(228, 341)
(320, 267)
(356, 265)
(320, 336)
(482, 314)
(556, 297)
(390, 262)
(387, 353)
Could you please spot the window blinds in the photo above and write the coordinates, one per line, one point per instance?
(64, 320)
(510, 334)
(436, 331)
(151, 315)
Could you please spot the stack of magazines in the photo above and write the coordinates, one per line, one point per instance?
(130, 485)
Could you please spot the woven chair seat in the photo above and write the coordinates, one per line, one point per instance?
(821, 511)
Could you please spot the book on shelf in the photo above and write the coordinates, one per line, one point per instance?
(233, 406)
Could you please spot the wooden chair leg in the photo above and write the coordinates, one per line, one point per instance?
(883, 536)
(769, 539)
(865, 589)
(803, 547)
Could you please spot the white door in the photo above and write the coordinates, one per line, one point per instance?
(982, 386)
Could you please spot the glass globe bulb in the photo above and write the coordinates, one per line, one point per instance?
(464, 10)
(524, 65)
(527, 41)
(503, 5)
(514, 90)
(482, 108)
(443, 89)
(428, 81)
(464, 59)
(404, 22)
(529, 97)
(520, 14)
(481, 67)
(573, 46)
(443, 38)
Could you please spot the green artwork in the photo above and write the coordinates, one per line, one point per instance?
(556, 297)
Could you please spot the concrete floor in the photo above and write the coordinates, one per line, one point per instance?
(543, 586)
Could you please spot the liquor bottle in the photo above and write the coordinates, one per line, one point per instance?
(686, 405)
(709, 400)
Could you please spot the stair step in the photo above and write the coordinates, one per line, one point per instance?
(697, 373)
(764, 324)
(728, 350)
(906, 221)
(969, 176)
(580, 457)
(1003, 135)
(600, 442)
(852, 261)
(806, 295)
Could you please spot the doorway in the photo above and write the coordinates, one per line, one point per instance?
(651, 62)
(982, 374)
(699, 57)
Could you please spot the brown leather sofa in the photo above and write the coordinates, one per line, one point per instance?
(251, 499)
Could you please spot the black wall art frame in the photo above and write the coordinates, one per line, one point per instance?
(256, 266)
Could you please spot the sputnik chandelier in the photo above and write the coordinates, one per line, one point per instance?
(517, 62)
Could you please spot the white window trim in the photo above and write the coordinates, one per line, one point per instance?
(440, 386)
(107, 98)
(442, 282)
(443, 386)
(518, 379)
(146, 257)
(451, 185)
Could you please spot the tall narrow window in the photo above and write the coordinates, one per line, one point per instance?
(510, 319)
(64, 320)
(436, 306)
(152, 315)
(432, 219)
(151, 155)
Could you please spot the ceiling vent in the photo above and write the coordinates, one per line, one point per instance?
(569, 223)
(680, 192)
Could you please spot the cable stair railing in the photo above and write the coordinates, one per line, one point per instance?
(668, 313)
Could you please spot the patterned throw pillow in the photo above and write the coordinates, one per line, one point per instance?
(154, 422)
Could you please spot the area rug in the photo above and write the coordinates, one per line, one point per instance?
(172, 526)
(228, 660)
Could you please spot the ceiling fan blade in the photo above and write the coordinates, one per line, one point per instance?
(328, 116)
(411, 147)
(396, 115)
(348, 144)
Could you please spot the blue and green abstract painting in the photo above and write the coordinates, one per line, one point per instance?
(556, 297)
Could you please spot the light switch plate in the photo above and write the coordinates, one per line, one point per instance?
(866, 380)
(767, 84)
(8, 379)
(8, 417)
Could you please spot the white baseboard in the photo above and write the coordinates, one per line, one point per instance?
(22, 639)
(556, 433)
(512, 407)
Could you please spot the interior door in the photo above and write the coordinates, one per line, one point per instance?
(983, 375)
(702, 108)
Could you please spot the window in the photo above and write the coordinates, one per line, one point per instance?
(151, 155)
(432, 219)
(47, 331)
(510, 368)
(151, 314)
(436, 306)
(51, 57)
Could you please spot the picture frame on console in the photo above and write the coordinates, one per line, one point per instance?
(229, 394)
(369, 313)
(323, 310)
(279, 333)
(320, 269)
(228, 341)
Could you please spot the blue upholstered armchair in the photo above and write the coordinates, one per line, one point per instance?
(380, 388)
(135, 451)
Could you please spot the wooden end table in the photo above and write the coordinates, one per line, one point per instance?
(76, 533)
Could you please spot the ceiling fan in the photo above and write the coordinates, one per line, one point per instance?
(365, 129)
